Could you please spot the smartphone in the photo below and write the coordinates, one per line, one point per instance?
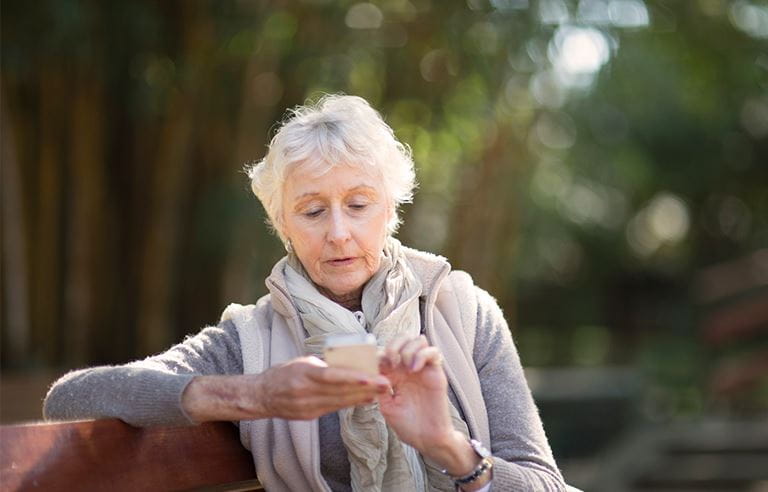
(357, 351)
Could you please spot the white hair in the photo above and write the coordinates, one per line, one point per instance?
(336, 130)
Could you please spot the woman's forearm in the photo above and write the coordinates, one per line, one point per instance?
(146, 392)
(139, 396)
(210, 398)
(301, 389)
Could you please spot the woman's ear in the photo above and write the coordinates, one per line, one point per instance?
(391, 218)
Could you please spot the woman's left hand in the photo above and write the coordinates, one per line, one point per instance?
(417, 408)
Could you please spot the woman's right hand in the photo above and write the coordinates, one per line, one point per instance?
(300, 389)
(307, 388)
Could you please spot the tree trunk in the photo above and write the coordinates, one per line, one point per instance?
(255, 117)
(14, 248)
(48, 224)
(84, 295)
(485, 221)
(169, 192)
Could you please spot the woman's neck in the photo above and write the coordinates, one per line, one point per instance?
(351, 301)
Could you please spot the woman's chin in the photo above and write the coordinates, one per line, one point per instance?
(343, 290)
(344, 283)
(344, 287)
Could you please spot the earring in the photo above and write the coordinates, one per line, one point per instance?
(288, 247)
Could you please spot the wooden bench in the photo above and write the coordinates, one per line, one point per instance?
(114, 456)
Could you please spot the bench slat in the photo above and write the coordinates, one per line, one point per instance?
(112, 455)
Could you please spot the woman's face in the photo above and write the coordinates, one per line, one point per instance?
(336, 223)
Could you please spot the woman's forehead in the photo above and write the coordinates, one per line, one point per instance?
(303, 180)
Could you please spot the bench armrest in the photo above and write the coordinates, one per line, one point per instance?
(112, 455)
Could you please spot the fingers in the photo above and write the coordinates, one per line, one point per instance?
(313, 404)
(306, 388)
(411, 354)
(392, 351)
(401, 350)
(311, 360)
(335, 376)
(338, 382)
(410, 349)
(318, 406)
(424, 357)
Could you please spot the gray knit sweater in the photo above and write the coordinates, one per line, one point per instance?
(148, 392)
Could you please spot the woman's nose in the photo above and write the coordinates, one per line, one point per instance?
(339, 229)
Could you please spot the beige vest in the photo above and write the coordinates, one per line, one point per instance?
(287, 452)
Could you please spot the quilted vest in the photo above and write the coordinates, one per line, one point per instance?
(287, 452)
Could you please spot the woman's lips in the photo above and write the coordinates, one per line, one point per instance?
(342, 261)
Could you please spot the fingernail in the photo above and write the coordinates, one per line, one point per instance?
(362, 382)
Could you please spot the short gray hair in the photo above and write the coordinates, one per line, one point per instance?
(337, 129)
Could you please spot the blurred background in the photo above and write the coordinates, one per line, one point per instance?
(600, 166)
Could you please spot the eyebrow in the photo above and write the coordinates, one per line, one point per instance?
(310, 194)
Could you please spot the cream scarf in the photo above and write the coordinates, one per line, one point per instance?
(379, 461)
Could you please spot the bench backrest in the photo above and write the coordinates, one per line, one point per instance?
(113, 456)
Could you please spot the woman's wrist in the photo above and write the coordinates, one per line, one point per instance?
(211, 398)
(456, 456)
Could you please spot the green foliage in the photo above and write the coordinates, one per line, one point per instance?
(606, 151)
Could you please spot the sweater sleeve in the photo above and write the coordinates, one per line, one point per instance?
(522, 457)
(146, 392)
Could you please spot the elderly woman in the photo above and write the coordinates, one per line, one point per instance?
(450, 407)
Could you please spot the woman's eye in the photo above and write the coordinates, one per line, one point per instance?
(313, 213)
(358, 206)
